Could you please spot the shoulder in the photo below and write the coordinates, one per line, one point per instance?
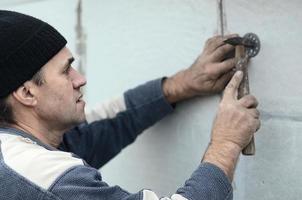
(34, 162)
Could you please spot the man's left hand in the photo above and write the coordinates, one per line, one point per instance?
(207, 75)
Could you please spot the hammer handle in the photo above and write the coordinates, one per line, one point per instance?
(244, 89)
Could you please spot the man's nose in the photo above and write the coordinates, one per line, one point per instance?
(78, 80)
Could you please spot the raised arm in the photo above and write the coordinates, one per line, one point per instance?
(236, 121)
(114, 125)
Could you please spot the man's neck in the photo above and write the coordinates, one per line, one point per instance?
(45, 135)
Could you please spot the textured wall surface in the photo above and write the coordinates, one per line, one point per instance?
(133, 41)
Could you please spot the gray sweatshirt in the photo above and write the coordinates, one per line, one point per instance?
(31, 170)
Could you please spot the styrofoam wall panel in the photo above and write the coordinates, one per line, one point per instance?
(133, 41)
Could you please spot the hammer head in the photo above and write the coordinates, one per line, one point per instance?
(250, 41)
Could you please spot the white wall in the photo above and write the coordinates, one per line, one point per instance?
(133, 41)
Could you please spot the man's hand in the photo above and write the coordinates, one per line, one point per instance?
(236, 122)
(208, 74)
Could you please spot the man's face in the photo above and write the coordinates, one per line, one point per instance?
(59, 100)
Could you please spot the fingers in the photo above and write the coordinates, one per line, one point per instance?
(223, 67)
(221, 51)
(218, 50)
(254, 113)
(256, 124)
(213, 43)
(223, 80)
(231, 89)
(249, 101)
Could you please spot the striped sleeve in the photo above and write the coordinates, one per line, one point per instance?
(83, 183)
(37, 171)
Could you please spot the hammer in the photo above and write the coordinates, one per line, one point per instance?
(247, 47)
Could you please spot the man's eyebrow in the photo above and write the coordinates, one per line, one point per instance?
(69, 61)
(68, 64)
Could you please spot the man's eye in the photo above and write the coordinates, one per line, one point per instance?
(66, 71)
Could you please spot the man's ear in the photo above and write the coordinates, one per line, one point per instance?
(25, 94)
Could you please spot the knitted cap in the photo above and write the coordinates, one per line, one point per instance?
(26, 44)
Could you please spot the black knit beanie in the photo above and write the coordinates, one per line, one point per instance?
(26, 44)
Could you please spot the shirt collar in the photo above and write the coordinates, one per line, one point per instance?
(14, 131)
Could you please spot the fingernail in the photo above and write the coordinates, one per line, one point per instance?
(239, 73)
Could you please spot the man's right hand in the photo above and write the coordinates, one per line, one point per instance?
(236, 122)
(237, 119)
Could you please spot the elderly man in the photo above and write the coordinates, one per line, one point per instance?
(50, 151)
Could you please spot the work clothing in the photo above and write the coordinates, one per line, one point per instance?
(31, 170)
